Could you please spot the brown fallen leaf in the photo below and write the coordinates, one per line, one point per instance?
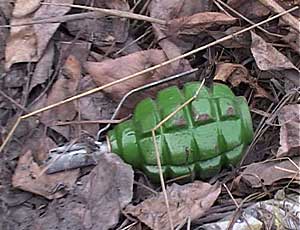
(94, 107)
(196, 23)
(29, 176)
(64, 87)
(25, 7)
(45, 33)
(113, 69)
(43, 68)
(102, 31)
(190, 200)
(250, 9)
(3, 36)
(21, 44)
(240, 41)
(269, 58)
(28, 43)
(289, 118)
(108, 189)
(267, 173)
(97, 202)
(237, 73)
(168, 10)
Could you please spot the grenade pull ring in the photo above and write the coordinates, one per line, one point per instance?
(79, 155)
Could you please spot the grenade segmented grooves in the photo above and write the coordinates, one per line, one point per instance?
(210, 133)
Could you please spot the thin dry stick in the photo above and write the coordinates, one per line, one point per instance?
(157, 153)
(112, 12)
(286, 170)
(58, 19)
(91, 122)
(288, 18)
(13, 101)
(92, 91)
(246, 19)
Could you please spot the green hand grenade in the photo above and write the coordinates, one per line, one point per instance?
(209, 133)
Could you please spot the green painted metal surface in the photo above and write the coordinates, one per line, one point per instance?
(210, 133)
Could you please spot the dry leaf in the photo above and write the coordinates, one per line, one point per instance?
(45, 33)
(269, 58)
(190, 200)
(22, 43)
(63, 88)
(94, 107)
(43, 68)
(250, 9)
(97, 202)
(267, 173)
(168, 10)
(196, 23)
(25, 7)
(27, 43)
(28, 176)
(3, 36)
(239, 41)
(235, 74)
(114, 69)
(289, 118)
(102, 31)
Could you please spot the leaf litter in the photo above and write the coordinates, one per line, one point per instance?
(49, 62)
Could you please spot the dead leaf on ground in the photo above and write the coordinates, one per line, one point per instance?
(289, 118)
(3, 36)
(6, 7)
(94, 107)
(45, 33)
(28, 43)
(267, 173)
(63, 88)
(96, 203)
(235, 74)
(114, 69)
(28, 175)
(190, 200)
(250, 9)
(102, 31)
(43, 68)
(168, 10)
(25, 7)
(21, 44)
(198, 22)
(269, 58)
(239, 41)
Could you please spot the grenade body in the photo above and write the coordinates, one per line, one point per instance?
(209, 133)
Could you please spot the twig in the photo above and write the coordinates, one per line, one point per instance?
(157, 150)
(92, 91)
(13, 101)
(287, 18)
(286, 170)
(58, 19)
(112, 12)
(91, 122)
(246, 19)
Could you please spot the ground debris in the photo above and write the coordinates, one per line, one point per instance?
(186, 201)
(289, 119)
